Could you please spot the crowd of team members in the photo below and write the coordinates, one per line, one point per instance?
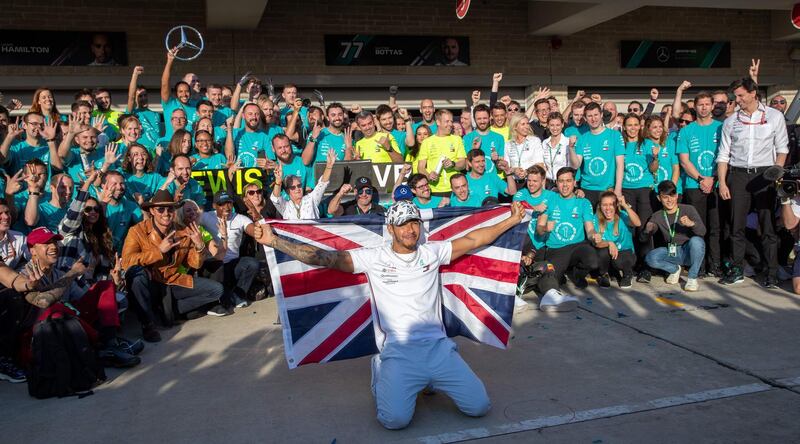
(101, 211)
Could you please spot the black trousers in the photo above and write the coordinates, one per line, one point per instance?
(707, 205)
(146, 291)
(750, 191)
(624, 262)
(581, 258)
(13, 312)
(643, 201)
(236, 275)
(593, 197)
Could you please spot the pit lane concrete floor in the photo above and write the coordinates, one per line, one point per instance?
(648, 364)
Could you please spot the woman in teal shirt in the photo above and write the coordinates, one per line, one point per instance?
(614, 224)
(140, 180)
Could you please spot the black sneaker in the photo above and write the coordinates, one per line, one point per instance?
(150, 334)
(735, 276)
(581, 282)
(114, 357)
(10, 372)
(604, 281)
(769, 282)
(715, 271)
(128, 346)
(625, 282)
(644, 277)
(219, 310)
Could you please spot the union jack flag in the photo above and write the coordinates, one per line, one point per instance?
(326, 315)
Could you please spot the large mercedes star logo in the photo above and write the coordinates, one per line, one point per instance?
(189, 47)
(662, 54)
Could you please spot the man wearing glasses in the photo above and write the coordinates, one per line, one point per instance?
(779, 103)
(753, 139)
(39, 141)
(155, 251)
(362, 204)
(542, 109)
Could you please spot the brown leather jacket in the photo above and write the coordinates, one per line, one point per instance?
(141, 248)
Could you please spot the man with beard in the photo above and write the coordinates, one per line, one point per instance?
(408, 308)
(291, 164)
(49, 213)
(139, 106)
(252, 143)
(442, 154)
(34, 176)
(428, 111)
(78, 160)
(221, 111)
(102, 99)
(333, 137)
(386, 123)
(195, 86)
(422, 193)
(377, 146)
(39, 141)
(490, 142)
(180, 182)
(181, 99)
(484, 185)
(121, 212)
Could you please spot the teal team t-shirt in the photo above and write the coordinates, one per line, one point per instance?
(433, 127)
(400, 138)
(50, 216)
(147, 185)
(623, 239)
(214, 162)
(20, 152)
(120, 218)
(171, 105)
(472, 201)
(329, 141)
(488, 141)
(599, 153)
(488, 185)
(577, 131)
(152, 127)
(569, 216)
(666, 160)
(544, 197)
(249, 144)
(701, 143)
(434, 202)
(637, 166)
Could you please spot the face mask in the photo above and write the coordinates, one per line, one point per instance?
(606, 117)
(719, 109)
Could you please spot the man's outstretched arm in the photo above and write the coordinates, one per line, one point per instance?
(483, 236)
(307, 254)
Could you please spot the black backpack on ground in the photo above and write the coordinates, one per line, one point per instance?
(64, 362)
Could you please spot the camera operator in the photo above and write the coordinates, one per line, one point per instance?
(790, 213)
(753, 139)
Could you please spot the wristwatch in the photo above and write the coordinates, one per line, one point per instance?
(312, 139)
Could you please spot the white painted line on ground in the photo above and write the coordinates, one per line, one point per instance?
(600, 413)
(790, 381)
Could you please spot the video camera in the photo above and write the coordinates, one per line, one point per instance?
(787, 180)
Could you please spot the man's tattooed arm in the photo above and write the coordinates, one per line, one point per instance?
(311, 255)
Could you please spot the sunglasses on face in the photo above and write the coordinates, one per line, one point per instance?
(686, 121)
(293, 187)
(513, 109)
(633, 110)
(779, 102)
(91, 209)
(367, 191)
(252, 192)
(161, 210)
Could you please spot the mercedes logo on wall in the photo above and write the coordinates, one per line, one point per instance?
(187, 40)
(662, 54)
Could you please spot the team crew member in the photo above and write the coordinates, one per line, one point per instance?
(754, 138)
(462, 195)
(483, 184)
(567, 223)
(698, 144)
(333, 137)
(555, 149)
(364, 203)
(409, 313)
(614, 223)
(422, 193)
(600, 155)
(442, 155)
(491, 143)
(376, 146)
(682, 231)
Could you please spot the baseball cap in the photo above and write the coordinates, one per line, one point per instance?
(401, 212)
(403, 192)
(221, 197)
(42, 235)
(363, 182)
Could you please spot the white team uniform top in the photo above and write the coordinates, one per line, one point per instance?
(406, 295)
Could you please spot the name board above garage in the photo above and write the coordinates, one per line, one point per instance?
(396, 50)
(62, 48)
(671, 54)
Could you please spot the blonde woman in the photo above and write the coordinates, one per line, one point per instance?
(523, 149)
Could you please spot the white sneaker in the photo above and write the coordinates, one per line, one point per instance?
(554, 300)
(519, 305)
(691, 285)
(674, 278)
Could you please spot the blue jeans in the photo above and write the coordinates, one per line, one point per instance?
(690, 254)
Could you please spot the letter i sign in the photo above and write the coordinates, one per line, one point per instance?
(462, 7)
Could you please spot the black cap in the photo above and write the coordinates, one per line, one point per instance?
(363, 182)
(221, 197)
